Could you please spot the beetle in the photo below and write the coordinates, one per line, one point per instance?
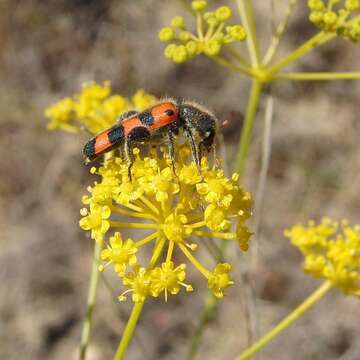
(161, 122)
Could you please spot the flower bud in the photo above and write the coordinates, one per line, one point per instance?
(210, 18)
(178, 22)
(169, 51)
(316, 5)
(223, 13)
(184, 36)
(199, 5)
(352, 5)
(192, 48)
(180, 54)
(330, 18)
(166, 34)
(237, 32)
(212, 47)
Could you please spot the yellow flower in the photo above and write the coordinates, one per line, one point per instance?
(211, 33)
(199, 5)
(61, 115)
(167, 278)
(219, 279)
(119, 253)
(102, 193)
(243, 236)
(128, 191)
(139, 284)
(216, 189)
(180, 54)
(189, 174)
(162, 185)
(142, 100)
(331, 251)
(223, 13)
(166, 34)
(170, 210)
(96, 220)
(336, 17)
(178, 22)
(174, 228)
(216, 218)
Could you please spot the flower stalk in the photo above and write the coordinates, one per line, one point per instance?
(246, 13)
(91, 300)
(246, 132)
(285, 323)
(129, 331)
(317, 76)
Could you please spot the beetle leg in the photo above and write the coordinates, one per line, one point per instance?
(194, 149)
(170, 144)
(129, 156)
(136, 135)
(216, 159)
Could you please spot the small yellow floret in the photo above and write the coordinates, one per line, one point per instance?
(219, 279)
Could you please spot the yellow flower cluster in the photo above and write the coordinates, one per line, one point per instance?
(94, 108)
(211, 33)
(335, 16)
(331, 251)
(168, 209)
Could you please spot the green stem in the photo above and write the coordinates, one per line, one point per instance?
(279, 32)
(199, 27)
(207, 311)
(137, 309)
(248, 125)
(317, 76)
(309, 45)
(317, 40)
(246, 13)
(285, 323)
(91, 299)
(129, 330)
(239, 68)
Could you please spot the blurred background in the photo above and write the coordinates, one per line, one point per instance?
(47, 50)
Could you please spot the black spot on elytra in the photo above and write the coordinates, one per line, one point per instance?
(169, 112)
(139, 134)
(146, 118)
(126, 115)
(116, 134)
(89, 149)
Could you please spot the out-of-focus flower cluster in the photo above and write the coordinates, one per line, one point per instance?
(331, 251)
(335, 16)
(167, 210)
(94, 108)
(212, 33)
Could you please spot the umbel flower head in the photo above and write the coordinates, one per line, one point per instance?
(212, 33)
(331, 251)
(336, 16)
(172, 213)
